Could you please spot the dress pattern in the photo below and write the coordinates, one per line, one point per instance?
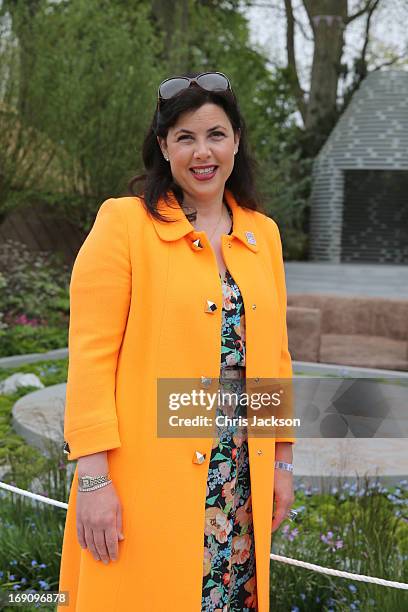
(229, 576)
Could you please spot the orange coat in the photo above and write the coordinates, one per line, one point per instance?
(138, 294)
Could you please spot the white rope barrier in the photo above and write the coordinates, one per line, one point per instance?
(333, 572)
(305, 564)
(41, 498)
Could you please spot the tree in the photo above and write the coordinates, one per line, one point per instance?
(23, 13)
(92, 92)
(327, 22)
(90, 95)
(26, 153)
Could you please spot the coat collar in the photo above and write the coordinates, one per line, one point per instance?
(244, 227)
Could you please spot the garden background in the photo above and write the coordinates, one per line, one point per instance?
(78, 83)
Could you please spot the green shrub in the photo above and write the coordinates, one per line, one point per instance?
(23, 339)
(34, 285)
(34, 300)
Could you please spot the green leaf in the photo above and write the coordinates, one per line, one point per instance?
(211, 583)
(219, 457)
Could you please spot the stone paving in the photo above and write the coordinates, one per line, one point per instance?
(371, 280)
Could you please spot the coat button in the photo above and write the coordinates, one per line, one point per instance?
(206, 382)
(253, 306)
(198, 457)
(256, 380)
(259, 451)
(229, 245)
(210, 306)
(197, 244)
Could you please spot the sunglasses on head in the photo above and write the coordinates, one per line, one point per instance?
(210, 81)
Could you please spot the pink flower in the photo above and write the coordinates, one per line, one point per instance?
(24, 320)
(21, 320)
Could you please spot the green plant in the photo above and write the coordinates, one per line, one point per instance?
(22, 339)
(359, 527)
(96, 64)
(34, 300)
(30, 532)
(32, 284)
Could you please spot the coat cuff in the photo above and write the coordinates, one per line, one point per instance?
(94, 439)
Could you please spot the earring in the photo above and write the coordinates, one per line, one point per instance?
(165, 157)
(235, 152)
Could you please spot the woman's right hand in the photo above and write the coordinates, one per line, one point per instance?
(99, 512)
(99, 522)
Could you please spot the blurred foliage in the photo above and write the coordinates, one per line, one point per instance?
(34, 300)
(360, 527)
(33, 284)
(78, 89)
(24, 339)
(90, 94)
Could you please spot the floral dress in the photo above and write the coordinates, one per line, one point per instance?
(229, 577)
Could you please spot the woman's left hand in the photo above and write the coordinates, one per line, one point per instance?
(283, 496)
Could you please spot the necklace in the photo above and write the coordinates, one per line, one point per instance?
(218, 222)
(222, 211)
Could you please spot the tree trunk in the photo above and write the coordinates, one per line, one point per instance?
(327, 19)
(173, 19)
(22, 14)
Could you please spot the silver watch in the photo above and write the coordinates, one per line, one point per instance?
(92, 483)
(284, 466)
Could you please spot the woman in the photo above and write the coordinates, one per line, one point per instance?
(184, 281)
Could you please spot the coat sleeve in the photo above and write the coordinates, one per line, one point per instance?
(285, 370)
(100, 293)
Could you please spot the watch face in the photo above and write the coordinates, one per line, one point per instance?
(85, 482)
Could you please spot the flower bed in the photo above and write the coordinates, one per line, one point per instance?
(360, 528)
(34, 300)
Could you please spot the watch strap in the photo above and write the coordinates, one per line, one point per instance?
(282, 465)
(91, 483)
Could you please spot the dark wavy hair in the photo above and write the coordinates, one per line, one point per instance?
(158, 179)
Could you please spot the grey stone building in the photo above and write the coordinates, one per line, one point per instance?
(359, 198)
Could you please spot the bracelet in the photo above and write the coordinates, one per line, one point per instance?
(99, 486)
(284, 466)
(91, 483)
